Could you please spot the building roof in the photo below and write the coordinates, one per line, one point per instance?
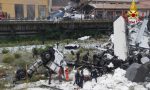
(116, 0)
(144, 4)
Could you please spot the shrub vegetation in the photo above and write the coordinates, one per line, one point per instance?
(17, 55)
(8, 58)
(5, 51)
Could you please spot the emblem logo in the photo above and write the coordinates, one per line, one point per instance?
(133, 14)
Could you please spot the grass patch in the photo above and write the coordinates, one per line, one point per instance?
(9, 43)
(2, 85)
(8, 58)
(25, 59)
(21, 63)
(37, 78)
(17, 55)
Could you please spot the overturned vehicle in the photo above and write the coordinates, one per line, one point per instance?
(51, 59)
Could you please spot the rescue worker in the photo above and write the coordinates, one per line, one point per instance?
(72, 53)
(95, 59)
(35, 52)
(81, 79)
(57, 44)
(78, 56)
(67, 73)
(77, 59)
(139, 56)
(77, 77)
(130, 60)
(94, 73)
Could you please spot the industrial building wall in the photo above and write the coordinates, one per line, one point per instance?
(112, 14)
(14, 8)
(57, 4)
(60, 2)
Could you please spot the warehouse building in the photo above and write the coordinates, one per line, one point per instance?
(111, 9)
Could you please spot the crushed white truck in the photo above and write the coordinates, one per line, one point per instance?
(51, 59)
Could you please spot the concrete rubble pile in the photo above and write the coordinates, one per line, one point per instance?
(73, 11)
(129, 49)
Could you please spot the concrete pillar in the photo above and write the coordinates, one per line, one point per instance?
(49, 5)
(25, 10)
(36, 11)
(120, 43)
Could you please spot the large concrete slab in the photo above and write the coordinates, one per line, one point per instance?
(120, 42)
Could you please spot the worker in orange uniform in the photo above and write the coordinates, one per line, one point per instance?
(67, 73)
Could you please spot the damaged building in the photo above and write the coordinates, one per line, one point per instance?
(103, 9)
(112, 9)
